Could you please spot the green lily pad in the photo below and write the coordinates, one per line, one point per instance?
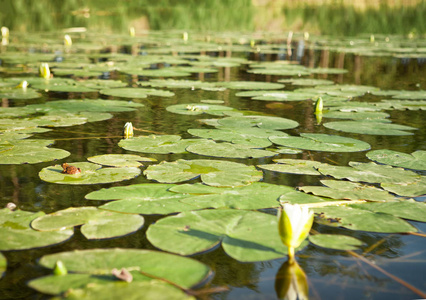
(307, 81)
(19, 93)
(407, 189)
(335, 241)
(328, 71)
(406, 209)
(90, 174)
(244, 235)
(277, 95)
(252, 136)
(356, 115)
(178, 84)
(212, 172)
(370, 127)
(161, 144)
(28, 151)
(86, 105)
(360, 219)
(415, 160)
(370, 172)
(410, 95)
(186, 273)
(348, 190)
(228, 150)
(198, 109)
(60, 120)
(164, 72)
(100, 84)
(97, 223)
(402, 104)
(148, 198)
(3, 265)
(136, 92)
(321, 142)
(69, 86)
(119, 160)
(84, 72)
(264, 122)
(293, 166)
(17, 233)
(250, 85)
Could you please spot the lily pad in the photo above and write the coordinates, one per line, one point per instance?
(135, 92)
(360, 219)
(406, 209)
(244, 235)
(119, 160)
(293, 166)
(348, 190)
(370, 172)
(178, 84)
(17, 233)
(198, 109)
(97, 223)
(161, 144)
(86, 105)
(415, 160)
(250, 85)
(28, 151)
(321, 142)
(19, 93)
(410, 189)
(264, 122)
(90, 174)
(3, 265)
(252, 136)
(335, 241)
(164, 72)
(228, 150)
(370, 127)
(212, 172)
(186, 273)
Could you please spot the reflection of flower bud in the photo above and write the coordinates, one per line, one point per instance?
(44, 70)
(294, 223)
(291, 282)
(67, 40)
(128, 130)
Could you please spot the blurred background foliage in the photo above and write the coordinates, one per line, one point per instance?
(332, 17)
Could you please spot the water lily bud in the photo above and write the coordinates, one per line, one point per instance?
(294, 223)
(23, 85)
(319, 106)
(44, 70)
(372, 39)
(5, 32)
(185, 36)
(128, 130)
(291, 282)
(306, 35)
(132, 31)
(60, 268)
(67, 40)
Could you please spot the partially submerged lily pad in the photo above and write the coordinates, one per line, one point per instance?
(17, 233)
(415, 160)
(90, 174)
(97, 223)
(119, 160)
(211, 172)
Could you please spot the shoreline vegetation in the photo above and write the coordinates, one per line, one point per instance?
(330, 17)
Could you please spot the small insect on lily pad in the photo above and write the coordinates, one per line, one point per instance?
(415, 160)
(89, 174)
(187, 272)
(97, 223)
(211, 172)
(245, 235)
(335, 241)
(370, 127)
(321, 142)
(119, 160)
(17, 233)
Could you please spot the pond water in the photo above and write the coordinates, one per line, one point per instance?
(381, 75)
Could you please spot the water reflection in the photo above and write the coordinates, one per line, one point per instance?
(291, 282)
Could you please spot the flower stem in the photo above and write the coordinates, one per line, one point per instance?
(291, 255)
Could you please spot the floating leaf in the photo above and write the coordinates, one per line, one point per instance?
(212, 172)
(250, 85)
(335, 241)
(28, 151)
(245, 235)
(406, 209)
(90, 174)
(359, 219)
(161, 144)
(321, 142)
(252, 136)
(407, 189)
(415, 160)
(178, 84)
(277, 95)
(164, 72)
(307, 81)
(97, 224)
(369, 172)
(264, 122)
(100, 84)
(186, 273)
(294, 166)
(370, 127)
(119, 160)
(17, 234)
(19, 93)
(348, 190)
(3, 265)
(86, 105)
(228, 150)
(135, 92)
(198, 109)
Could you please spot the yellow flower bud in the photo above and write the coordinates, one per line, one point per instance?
(23, 85)
(44, 70)
(5, 32)
(132, 31)
(128, 130)
(67, 40)
(319, 106)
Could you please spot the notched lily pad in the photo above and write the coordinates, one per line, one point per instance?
(97, 223)
(119, 160)
(90, 174)
(415, 160)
